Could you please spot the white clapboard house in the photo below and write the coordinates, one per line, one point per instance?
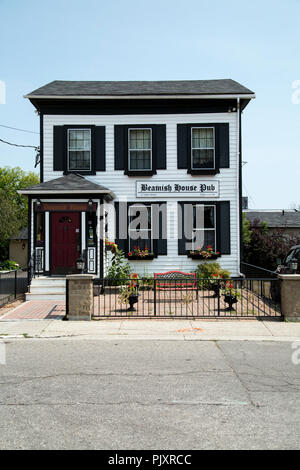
(154, 166)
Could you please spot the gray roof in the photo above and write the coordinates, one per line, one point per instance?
(21, 235)
(71, 183)
(275, 219)
(127, 88)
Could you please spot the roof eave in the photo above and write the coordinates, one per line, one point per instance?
(38, 192)
(248, 96)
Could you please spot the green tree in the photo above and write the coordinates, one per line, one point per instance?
(13, 206)
(246, 230)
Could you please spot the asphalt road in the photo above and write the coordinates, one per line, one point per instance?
(84, 394)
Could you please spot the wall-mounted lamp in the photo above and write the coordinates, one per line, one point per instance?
(38, 205)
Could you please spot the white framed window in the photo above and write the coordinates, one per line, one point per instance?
(140, 149)
(204, 226)
(79, 150)
(140, 227)
(203, 148)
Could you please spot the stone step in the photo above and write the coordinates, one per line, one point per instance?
(48, 282)
(47, 289)
(30, 296)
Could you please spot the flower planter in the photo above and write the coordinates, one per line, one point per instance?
(230, 300)
(194, 255)
(140, 258)
(133, 298)
(215, 286)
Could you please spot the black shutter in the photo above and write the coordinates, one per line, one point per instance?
(59, 148)
(160, 147)
(185, 227)
(121, 225)
(222, 142)
(99, 141)
(182, 146)
(224, 227)
(159, 228)
(120, 147)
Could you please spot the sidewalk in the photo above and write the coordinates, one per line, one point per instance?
(168, 330)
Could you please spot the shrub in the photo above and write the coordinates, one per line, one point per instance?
(119, 269)
(9, 265)
(206, 271)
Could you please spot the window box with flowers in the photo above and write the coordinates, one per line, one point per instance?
(140, 254)
(200, 253)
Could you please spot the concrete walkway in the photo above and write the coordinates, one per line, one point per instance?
(172, 330)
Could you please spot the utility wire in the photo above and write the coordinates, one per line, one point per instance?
(18, 145)
(36, 148)
(16, 129)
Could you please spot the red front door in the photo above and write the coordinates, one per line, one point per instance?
(65, 242)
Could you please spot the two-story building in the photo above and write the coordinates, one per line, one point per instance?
(155, 166)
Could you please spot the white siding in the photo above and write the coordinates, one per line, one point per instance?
(125, 187)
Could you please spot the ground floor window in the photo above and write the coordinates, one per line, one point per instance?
(204, 227)
(140, 228)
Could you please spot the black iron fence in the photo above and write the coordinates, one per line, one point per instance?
(178, 298)
(13, 285)
(252, 271)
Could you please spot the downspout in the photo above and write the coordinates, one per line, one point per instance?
(239, 183)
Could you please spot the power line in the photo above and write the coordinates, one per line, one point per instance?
(17, 129)
(18, 145)
(36, 148)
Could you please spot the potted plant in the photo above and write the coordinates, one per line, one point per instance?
(231, 294)
(216, 283)
(137, 253)
(129, 293)
(200, 253)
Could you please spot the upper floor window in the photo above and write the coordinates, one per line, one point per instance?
(203, 148)
(140, 149)
(79, 150)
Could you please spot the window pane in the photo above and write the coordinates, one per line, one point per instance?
(203, 216)
(202, 138)
(203, 159)
(140, 139)
(139, 218)
(79, 160)
(79, 139)
(140, 160)
(209, 217)
(141, 240)
(202, 238)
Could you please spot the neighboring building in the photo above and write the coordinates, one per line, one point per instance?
(165, 153)
(287, 221)
(18, 248)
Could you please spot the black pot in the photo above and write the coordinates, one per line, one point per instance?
(216, 288)
(230, 300)
(133, 298)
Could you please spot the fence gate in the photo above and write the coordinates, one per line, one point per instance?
(187, 298)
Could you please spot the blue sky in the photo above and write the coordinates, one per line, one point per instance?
(255, 43)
